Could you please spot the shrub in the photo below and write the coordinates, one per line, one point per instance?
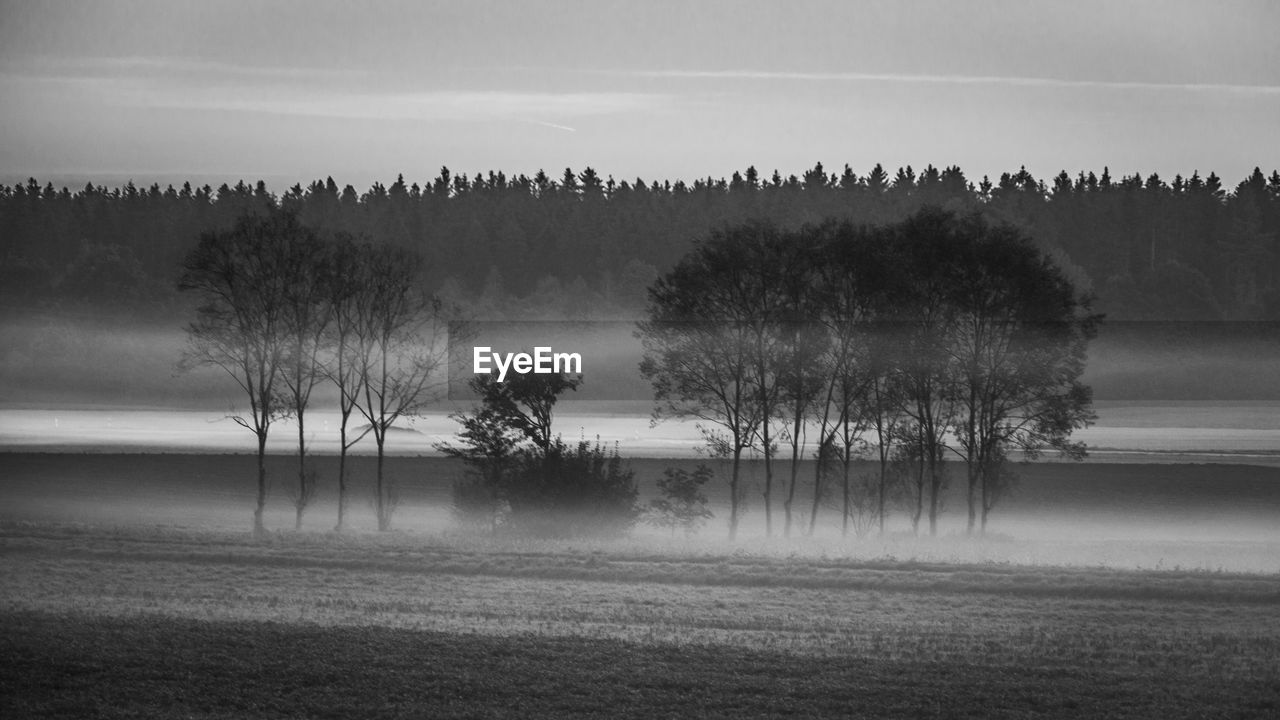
(683, 504)
(583, 489)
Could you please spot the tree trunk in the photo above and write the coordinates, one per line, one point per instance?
(733, 492)
(384, 519)
(342, 477)
(882, 450)
(844, 465)
(303, 490)
(768, 484)
(920, 491)
(973, 497)
(973, 458)
(884, 462)
(935, 484)
(817, 491)
(985, 509)
(258, 527)
(986, 503)
(987, 500)
(795, 472)
(797, 426)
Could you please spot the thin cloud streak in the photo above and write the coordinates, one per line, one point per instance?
(434, 105)
(154, 67)
(285, 99)
(1014, 81)
(554, 126)
(192, 84)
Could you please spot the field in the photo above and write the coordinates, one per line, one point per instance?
(131, 589)
(205, 624)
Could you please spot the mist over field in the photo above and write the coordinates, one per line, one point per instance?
(127, 489)
(930, 360)
(1184, 449)
(111, 359)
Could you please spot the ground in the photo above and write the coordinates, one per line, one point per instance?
(146, 622)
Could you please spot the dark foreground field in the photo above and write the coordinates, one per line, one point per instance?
(104, 622)
(77, 667)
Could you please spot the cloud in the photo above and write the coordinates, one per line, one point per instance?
(165, 69)
(425, 105)
(192, 84)
(1015, 81)
(554, 126)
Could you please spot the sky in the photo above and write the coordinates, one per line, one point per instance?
(289, 92)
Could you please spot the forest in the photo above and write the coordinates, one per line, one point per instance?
(585, 245)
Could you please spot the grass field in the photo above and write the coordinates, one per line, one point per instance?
(165, 623)
(131, 588)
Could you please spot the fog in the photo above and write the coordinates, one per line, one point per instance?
(1124, 432)
(1184, 466)
(1096, 513)
(61, 360)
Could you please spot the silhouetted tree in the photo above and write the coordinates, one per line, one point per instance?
(1020, 331)
(399, 346)
(347, 298)
(241, 277)
(934, 327)
(700, 342)
(525, 402)
(308, 310)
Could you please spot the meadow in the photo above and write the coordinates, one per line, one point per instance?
(132, 588)
(131, 622)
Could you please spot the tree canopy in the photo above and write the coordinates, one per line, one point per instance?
(948, 334)
(1190, 248)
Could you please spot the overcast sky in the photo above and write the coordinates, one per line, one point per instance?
(292, 91)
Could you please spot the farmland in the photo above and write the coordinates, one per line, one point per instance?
(132, 588)
(215, 624)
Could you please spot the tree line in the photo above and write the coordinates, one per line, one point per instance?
(943, 336)
(1150, 248)
(939, 337)
(283, 310)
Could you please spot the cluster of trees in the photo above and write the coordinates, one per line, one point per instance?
(1190, 248)
(283, 310)
(523, 477)
(938, 336)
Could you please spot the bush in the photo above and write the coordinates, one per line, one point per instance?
(570, 491)
(683, 504)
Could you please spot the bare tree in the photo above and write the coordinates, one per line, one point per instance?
(848, 278)
(399, 345)
(933, 328)
(241, 276)
(343, 363)
(699, 352)
(802, 344)
(922, 360)
(1018, 347)
(759, 256)
(308, 310)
